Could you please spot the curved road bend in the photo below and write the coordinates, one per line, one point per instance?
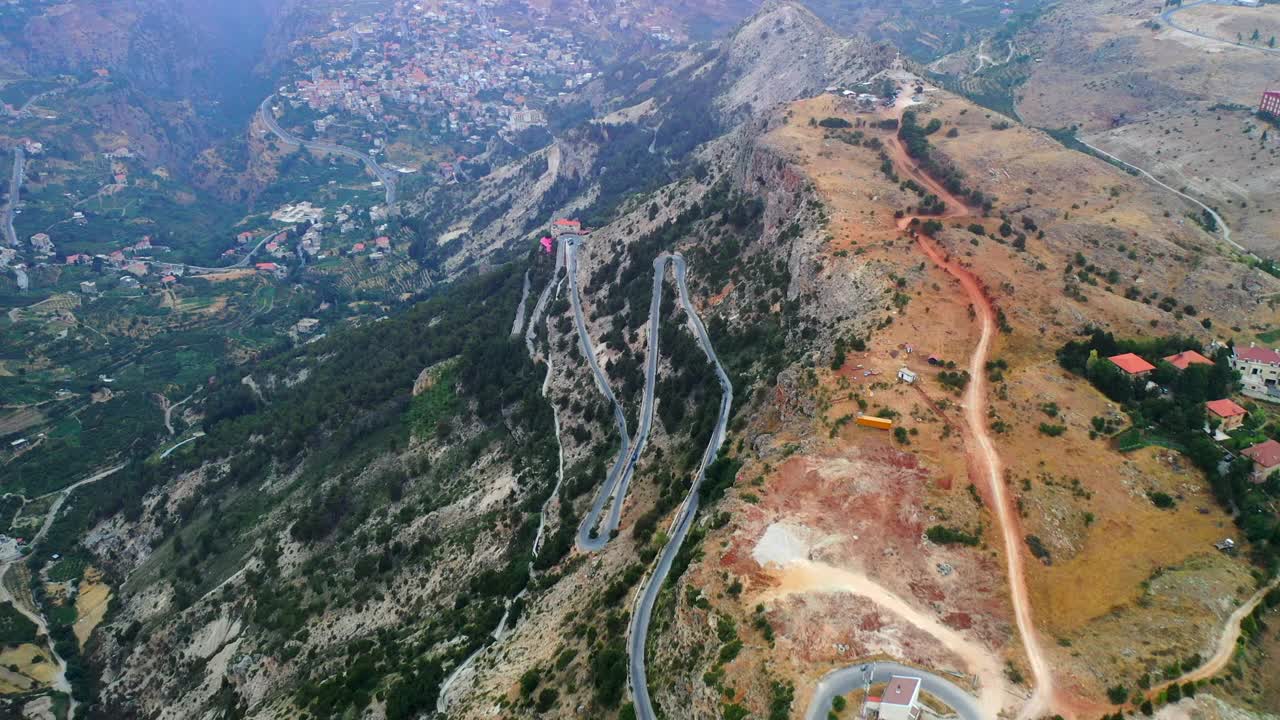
(387, 177)
(856, 677)
(648, 596)
(590, 538)
(1167, 17)
(1226, 230)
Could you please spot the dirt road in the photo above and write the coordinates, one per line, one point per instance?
(984, 460)
(805, 576)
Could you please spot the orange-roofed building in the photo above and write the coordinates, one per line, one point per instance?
(358, 247)
(1227, 411)
(1186, 359)
(168, 279)
(1265, 457)
(1132, 364)
(383, 242)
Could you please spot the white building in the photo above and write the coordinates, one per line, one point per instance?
(1259, 370)
(901, 699)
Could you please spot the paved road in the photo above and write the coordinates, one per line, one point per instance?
(1226, 230)
(590, 536)
(15, 185)
(518, 324)
(387, 177)
(648, 597)
(856, 677)
(1167, 18)
(541, 306)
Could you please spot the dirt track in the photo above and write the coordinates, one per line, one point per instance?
(984, 460)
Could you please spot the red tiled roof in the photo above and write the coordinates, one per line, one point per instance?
(1187, 358)
(1131, 363)
(1266, 454)
(1258, 355)
(1225, 408)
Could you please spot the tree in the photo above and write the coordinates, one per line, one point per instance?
(1118, 694)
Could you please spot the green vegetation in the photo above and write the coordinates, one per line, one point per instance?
(15, 628)
(1177, 419)
(943, 535)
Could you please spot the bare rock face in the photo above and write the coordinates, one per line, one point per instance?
(785, 52)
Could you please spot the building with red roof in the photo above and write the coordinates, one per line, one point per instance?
(1229, 413)
(383, 242)
(1186, 359)
(1132, 364)
(1265, 457)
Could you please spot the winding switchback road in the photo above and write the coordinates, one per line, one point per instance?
(590, 537)
(387, 177)
(648, 597)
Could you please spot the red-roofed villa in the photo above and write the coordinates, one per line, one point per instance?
(1132, 364)
(1265, 457)
(1186, 359)
(1229, 413)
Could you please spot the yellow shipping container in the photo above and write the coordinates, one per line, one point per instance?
(875, 422)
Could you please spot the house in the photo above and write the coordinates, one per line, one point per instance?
(357, 248)
(89, 287)
(1265, 457)
(244, 237)
(906, 376)
(42, 244)
(78, 259)
(383, 242)
(267, 267)
(1186, 359)
(1132, 364)
(1229, 413)
(1259, 370)
(168, 279)
(901, 699)
(563, 226)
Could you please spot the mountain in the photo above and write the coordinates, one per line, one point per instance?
(651, 117)
(835, 362)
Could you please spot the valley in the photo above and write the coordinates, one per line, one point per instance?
(637, 362)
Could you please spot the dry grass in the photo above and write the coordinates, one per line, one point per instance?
(91, 604)
(1085, 206)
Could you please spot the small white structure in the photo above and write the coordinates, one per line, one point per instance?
(1249, 3)
(901, 699)
(906, 376)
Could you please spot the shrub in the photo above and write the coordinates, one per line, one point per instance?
(1052, 430)
(943, 535)
(835, 123)
(1118, 694)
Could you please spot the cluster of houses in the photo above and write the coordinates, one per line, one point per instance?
(449, 62)
(1259, 370)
